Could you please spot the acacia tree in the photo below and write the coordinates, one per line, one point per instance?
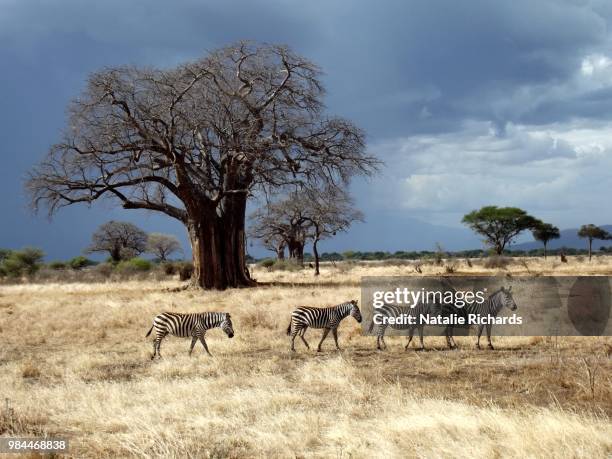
(122, 240)
(545, 232)
(195, 141)
(591, 232)
(162, 245)
(499, 225)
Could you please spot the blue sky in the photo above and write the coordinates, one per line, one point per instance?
(468, 103)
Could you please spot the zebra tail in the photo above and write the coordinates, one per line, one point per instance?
(289, 328)
(150, 330)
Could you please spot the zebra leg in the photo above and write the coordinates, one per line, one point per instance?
(194, 339)
(157, 346)
(293, 335)
(325, 333)
(480, 327)
(154, 348)
(489, 326)
(421, 338)
(335, 333)
(380, 338)
(303, 338)
(410, 335)
(204, 344)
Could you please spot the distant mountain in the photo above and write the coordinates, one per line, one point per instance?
(569, 238)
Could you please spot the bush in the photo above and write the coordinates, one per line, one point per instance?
(103, 270)
(497, 262)
(286, 265)
(267, 263)
(133, 265)
(169, 268)
(185, 271)
(80, 262)
(21, 262)
(57, 265)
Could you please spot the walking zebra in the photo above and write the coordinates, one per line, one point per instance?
(189, 325)
(491, 307)
(326, 318)
(395, 311)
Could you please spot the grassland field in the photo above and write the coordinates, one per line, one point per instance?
(74, 362)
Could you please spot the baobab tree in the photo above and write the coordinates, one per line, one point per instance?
(282, 224)
(195, 141)
(162, 245)
(329, 211)
(121, 240)
(304, 215)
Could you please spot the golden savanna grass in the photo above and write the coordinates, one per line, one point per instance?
(75, 363)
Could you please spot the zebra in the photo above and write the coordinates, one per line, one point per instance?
(326, 318)
(491, 307)
(392, 310)
(185, 325)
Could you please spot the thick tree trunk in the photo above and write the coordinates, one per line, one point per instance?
(315, 251)
(280, 252)
(218, 247)
(296, 251)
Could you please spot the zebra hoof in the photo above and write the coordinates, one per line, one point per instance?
(491, 347)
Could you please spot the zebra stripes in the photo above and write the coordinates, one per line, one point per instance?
(491, 307)
(395, 311)
(188, 325)
(326, 318)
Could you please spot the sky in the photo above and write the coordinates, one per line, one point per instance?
(468, 103)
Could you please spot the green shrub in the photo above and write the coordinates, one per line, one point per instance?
(267, 263)
(57, 265)
(22, 262)
(80, 262)
(133, 265)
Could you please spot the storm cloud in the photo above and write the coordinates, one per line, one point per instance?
(468, 103)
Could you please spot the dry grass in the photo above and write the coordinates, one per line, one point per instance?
(75, 362)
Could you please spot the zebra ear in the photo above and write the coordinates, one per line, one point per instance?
(227, 315)
(510, 288)
(503, 289)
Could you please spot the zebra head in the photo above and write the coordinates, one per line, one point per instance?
(355, 312)
(226, 325)
(507, 298)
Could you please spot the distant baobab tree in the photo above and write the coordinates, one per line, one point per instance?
(302, 216)
(500, 225)
(591, 232)
(545, 232)
(282, 224)
(196, 140)
(329, 212)
(121, 240)
(162, 246)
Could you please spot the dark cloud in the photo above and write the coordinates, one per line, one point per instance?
(403, 70)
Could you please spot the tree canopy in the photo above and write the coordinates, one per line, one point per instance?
(499, 225)
(121, 240)
(195, 141)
